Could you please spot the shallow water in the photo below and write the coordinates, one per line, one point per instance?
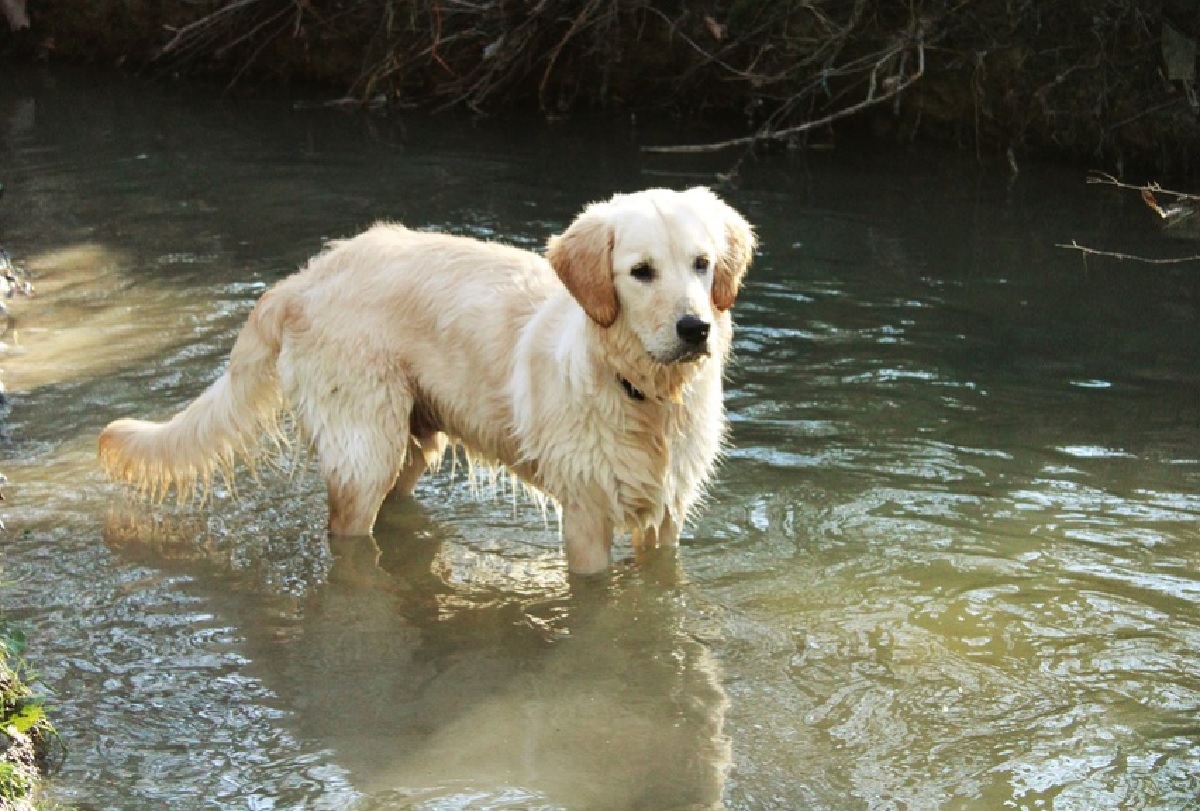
(952, 560)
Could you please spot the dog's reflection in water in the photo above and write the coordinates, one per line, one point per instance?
(438, 680)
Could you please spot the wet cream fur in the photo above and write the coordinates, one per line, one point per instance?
(393, 344)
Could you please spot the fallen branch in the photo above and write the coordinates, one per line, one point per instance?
(1106, 179)
(1176, 260)
(1185, 205)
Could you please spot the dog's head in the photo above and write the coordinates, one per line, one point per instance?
(667, 263)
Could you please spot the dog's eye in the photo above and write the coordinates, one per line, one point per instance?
(643, 272)
(701, 264)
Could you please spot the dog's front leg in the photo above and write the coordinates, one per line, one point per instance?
(665, 534)
(587, 535)
(655, 550)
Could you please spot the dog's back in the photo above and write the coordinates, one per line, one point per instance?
(441, 313)
(391, 333)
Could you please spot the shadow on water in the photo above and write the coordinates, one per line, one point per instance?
(439, 680)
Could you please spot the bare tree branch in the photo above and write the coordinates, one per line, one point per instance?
(893, 86)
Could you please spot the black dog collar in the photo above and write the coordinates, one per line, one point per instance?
(634, 392)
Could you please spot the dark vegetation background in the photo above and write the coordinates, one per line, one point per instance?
(1110, 83)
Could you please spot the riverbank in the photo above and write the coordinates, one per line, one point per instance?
(25, 732)
(1109, 83)
(26, 735)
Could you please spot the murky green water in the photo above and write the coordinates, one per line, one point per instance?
(952, 561)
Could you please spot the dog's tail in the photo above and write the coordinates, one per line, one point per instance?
(223, 424)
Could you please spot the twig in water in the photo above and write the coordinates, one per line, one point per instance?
(1184, 206)
(1175, 260)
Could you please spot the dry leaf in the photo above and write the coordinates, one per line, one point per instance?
(717, 30)
(1148, 199)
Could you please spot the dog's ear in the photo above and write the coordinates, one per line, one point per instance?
(733, 263)
(582, 258)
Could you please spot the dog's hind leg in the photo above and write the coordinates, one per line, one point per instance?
(424, 453)
(359, 464)
(358, 426)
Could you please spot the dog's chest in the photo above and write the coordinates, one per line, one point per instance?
(584, 436)
(643, 478)
(629, 457)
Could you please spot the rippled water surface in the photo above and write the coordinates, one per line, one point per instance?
(952, 560)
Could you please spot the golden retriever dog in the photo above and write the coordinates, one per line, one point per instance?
(593, 374)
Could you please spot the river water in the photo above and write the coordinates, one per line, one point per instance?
(952, 560)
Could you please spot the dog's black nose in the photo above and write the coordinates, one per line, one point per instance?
(692, 330)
